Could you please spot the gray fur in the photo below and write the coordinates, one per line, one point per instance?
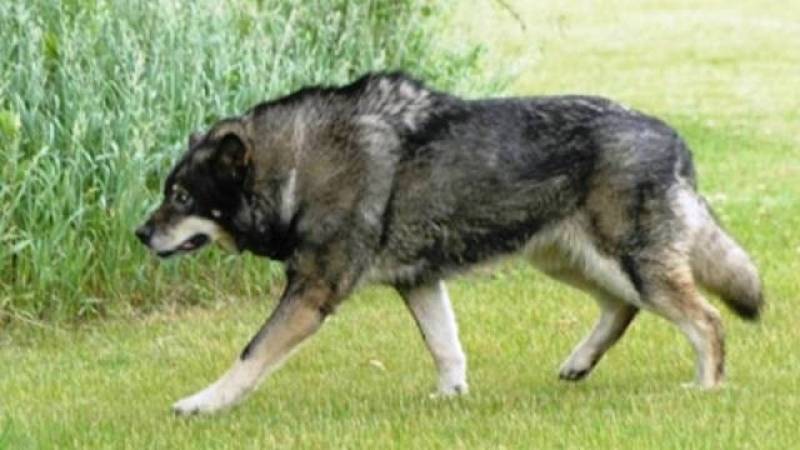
(386, 180)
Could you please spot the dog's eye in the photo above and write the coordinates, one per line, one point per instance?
(182, 198)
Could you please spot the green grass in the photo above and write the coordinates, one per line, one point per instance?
(110, 385)
(97, 100)
(724, 74)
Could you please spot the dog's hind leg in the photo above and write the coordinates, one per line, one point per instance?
(670, 292)
(298, 315)
(431, 308)
(615, 316)
(614, 320)
(576, 262)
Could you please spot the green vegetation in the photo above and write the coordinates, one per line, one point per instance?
(724, 73)
(97, 100)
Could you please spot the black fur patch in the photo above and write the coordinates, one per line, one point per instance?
(628, 265)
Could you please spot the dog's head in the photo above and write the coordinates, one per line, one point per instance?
(202, 194)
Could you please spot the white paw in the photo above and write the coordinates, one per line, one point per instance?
(207, 401)
(576, 368)
(451, 390)
(574, 372)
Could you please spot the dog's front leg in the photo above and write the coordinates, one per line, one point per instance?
(299, 314)
(430, 306)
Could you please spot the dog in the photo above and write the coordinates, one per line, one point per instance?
(386, 180)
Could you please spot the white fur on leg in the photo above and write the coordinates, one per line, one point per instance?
(705, 379)
(433, 312)
(582, 359)
(223, 393)
(288, 326)
(614, 318)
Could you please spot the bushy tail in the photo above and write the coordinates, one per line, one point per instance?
(720, 265)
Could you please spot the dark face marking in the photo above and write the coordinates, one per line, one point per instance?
(206, 184)
(209, 179)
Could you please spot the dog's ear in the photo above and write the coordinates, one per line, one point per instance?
(232, 151)
(195, 138)
(232, 156)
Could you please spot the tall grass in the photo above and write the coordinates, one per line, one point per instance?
(97, 98)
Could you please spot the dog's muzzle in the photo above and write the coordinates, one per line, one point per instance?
(144, 233)
(186, 235)
(193, 243)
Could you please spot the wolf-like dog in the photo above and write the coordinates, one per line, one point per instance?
(386, 180)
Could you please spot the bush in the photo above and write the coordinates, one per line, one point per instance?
(97, 99)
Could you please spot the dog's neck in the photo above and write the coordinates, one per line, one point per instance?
(265, 235)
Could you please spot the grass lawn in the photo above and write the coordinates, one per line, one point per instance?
(726, 74)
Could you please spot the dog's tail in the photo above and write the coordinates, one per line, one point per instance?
(720, 265)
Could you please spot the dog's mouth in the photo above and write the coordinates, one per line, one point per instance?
(189, 245)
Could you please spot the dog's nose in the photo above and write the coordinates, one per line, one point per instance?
(144, 232)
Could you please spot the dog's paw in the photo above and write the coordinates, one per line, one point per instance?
(574, 372)
(185, 407)
(451, 391)
(206, 401)
(190, 406)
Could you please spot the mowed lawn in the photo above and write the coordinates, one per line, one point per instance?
(726, 74)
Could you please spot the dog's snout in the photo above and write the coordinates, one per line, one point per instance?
(144, 232)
